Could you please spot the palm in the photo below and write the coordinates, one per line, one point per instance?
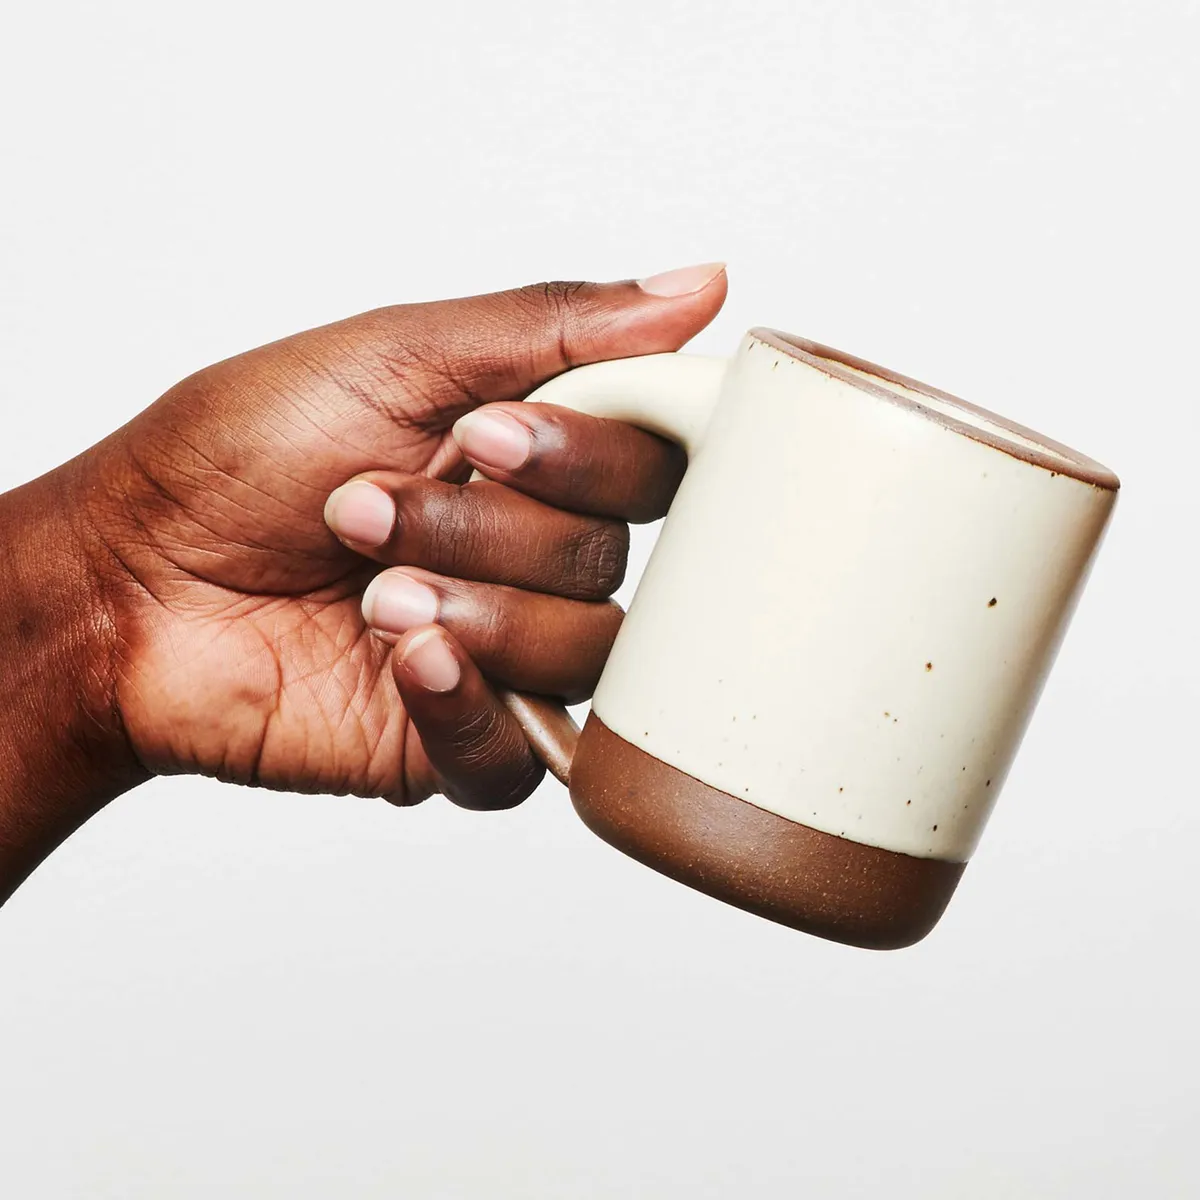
(257, 665)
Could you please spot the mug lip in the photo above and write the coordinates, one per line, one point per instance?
(1044, 452)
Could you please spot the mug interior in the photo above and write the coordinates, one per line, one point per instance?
(959, 415)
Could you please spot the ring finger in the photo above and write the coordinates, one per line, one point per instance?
(526, 640)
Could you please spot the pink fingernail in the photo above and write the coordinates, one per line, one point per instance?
(683, 281)
(431, 662)
(493, 439)
(362, 513)
(395, 602)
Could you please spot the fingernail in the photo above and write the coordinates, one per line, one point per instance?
(431, 662)
(394, 603)
(360, 512)
(493, 439)
(682, 281)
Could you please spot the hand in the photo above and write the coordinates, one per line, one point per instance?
(227, 636)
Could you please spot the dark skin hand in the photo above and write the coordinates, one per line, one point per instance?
(188, 595)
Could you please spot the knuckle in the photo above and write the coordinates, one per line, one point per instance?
(555, 296)
(556, 305)
(501, 637)
(596, 556)
(441, 524)
(493, 769)
(476, 739)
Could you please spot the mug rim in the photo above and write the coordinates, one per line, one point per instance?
(1025, 444)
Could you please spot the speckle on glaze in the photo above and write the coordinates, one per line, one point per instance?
(992, 602)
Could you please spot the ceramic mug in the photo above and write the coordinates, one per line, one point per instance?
(838, 641)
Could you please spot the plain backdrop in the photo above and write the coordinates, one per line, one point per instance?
(220, 992)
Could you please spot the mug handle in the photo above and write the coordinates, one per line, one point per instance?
(672, 395)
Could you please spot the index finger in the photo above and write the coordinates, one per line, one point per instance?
(584, 464)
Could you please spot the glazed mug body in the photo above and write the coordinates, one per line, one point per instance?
(839, 638)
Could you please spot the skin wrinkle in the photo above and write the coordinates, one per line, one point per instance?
(320, 683)
(220, 473)
(433, 413)
(175, 503)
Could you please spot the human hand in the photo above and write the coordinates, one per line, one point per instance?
(231, 641)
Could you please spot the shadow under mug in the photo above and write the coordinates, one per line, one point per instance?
(839, 638)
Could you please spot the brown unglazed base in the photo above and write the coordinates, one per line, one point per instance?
(766, 864)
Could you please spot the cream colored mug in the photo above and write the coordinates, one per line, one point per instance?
(838, 641)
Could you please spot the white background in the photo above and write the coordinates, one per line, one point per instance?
(215, 992)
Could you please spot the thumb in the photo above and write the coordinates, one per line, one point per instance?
(483, 349)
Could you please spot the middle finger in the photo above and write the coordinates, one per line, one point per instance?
(482, 531)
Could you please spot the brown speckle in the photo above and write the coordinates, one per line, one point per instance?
(988, 784)
(964, 768)
(929, 666)
(935, 829)
(992, 602)
(908, 802)
(887, 714)
(841, 789)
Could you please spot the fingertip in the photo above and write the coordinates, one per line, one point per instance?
(360, 513)
(395, 602)
(662, 312)
(493, 439)
(683, 281)
(427, 659)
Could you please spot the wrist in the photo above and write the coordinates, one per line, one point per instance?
(63, 752)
